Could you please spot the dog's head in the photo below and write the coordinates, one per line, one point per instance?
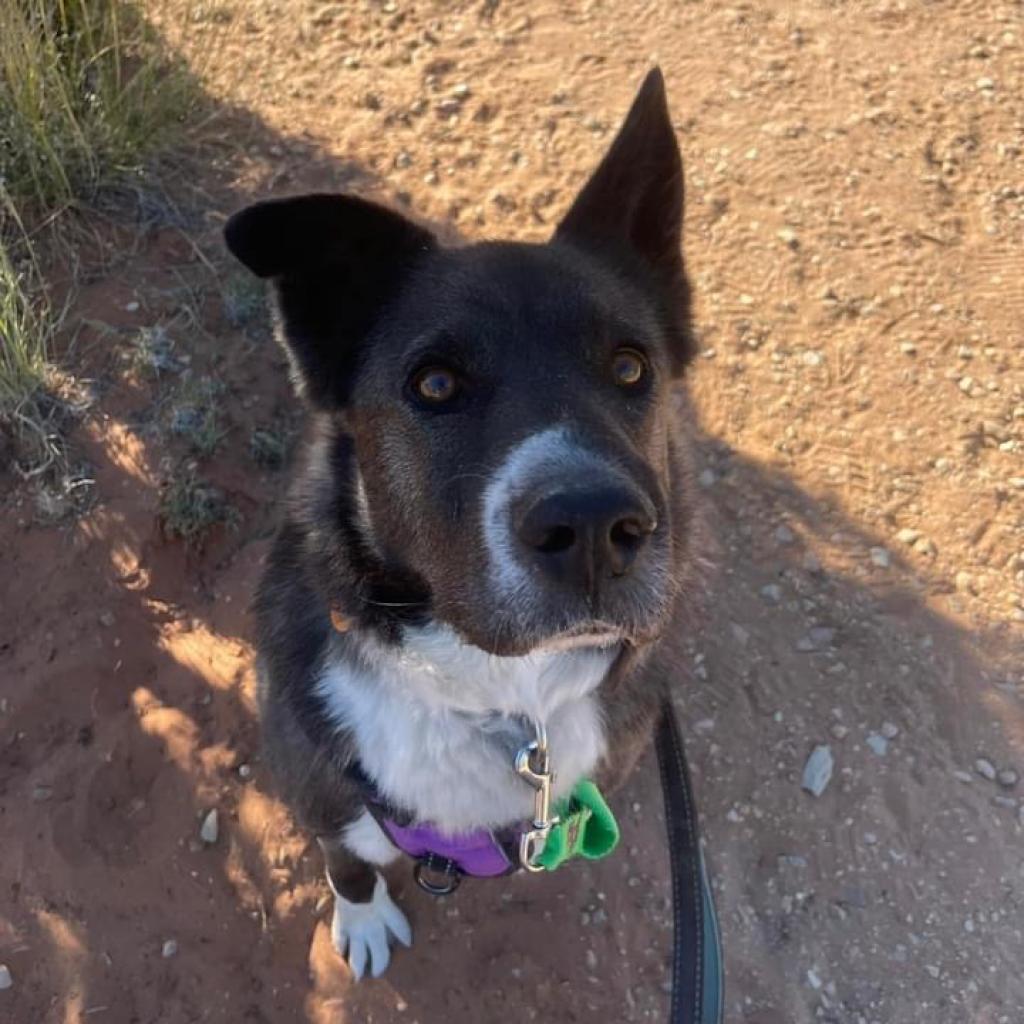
(501, 412)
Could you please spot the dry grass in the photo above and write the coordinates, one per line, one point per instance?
(88, 88)
(27, 329)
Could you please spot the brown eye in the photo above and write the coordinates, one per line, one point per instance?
(628, 367)
(435, 384)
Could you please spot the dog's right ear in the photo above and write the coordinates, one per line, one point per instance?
(335, 261)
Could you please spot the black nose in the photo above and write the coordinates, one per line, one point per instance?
(581, 537)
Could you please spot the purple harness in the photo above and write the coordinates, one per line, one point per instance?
(480, 854)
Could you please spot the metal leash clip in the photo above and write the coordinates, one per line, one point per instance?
(533, 765)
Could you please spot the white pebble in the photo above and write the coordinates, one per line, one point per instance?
(210, 828)
(6, 981)
(889, 731)
(880, 557)
(170, 947)
(985, 768)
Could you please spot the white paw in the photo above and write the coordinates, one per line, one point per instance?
(362, 932)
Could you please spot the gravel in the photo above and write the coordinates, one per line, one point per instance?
(6, 981)
(985, 768)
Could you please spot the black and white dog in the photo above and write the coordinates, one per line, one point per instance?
(494, 525)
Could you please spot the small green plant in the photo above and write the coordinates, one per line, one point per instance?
(191, 507)
(245, 302)
(195, 417)
(268, 447)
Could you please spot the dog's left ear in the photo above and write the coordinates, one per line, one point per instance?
(634, 201)
(335, 262)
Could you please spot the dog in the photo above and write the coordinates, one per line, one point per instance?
(493, 535)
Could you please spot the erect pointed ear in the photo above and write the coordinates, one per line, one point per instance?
(335, 262)
(634, 200)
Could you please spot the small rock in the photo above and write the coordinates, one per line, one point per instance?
(908, 348)
(925, 547)
(818, 638)
(811, 562)
(788, 237)
(985, 768)
(813, 979)
(1008, 778)
(170, 947)
(106, 618)
(245, 771)
(772, 592)
(870, 839)
(739, 634)
(880, 557)
(889, 731)
(707, 478)
(41, 792)
(965, 583)
(878, 743)
(840, 732)
(210, 828)
(965, 777)
(591, 959)
(932, 970)
(818, 770)
(907, 535)
(6, 981)
(131, 307)
(784, 535)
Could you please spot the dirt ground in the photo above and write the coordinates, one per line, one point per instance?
(855, 232)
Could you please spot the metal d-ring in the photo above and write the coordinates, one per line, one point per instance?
(450, 873)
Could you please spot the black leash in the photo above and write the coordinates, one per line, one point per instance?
(697, 979)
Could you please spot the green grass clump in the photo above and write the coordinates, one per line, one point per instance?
(27, 328)
(191, 507)
(195, 416)
(86, 88)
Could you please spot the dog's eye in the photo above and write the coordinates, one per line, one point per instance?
(435, 384)
(629, 367)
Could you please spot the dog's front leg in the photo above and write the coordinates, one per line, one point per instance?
(365, 917)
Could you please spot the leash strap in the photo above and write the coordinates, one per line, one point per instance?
(697, 980)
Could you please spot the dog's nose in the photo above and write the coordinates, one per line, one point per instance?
(583, 536)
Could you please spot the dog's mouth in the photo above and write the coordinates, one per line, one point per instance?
(594, 635)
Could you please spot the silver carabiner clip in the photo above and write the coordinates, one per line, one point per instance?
(533, 765)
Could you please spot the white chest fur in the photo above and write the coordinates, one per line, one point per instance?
(412, 711)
